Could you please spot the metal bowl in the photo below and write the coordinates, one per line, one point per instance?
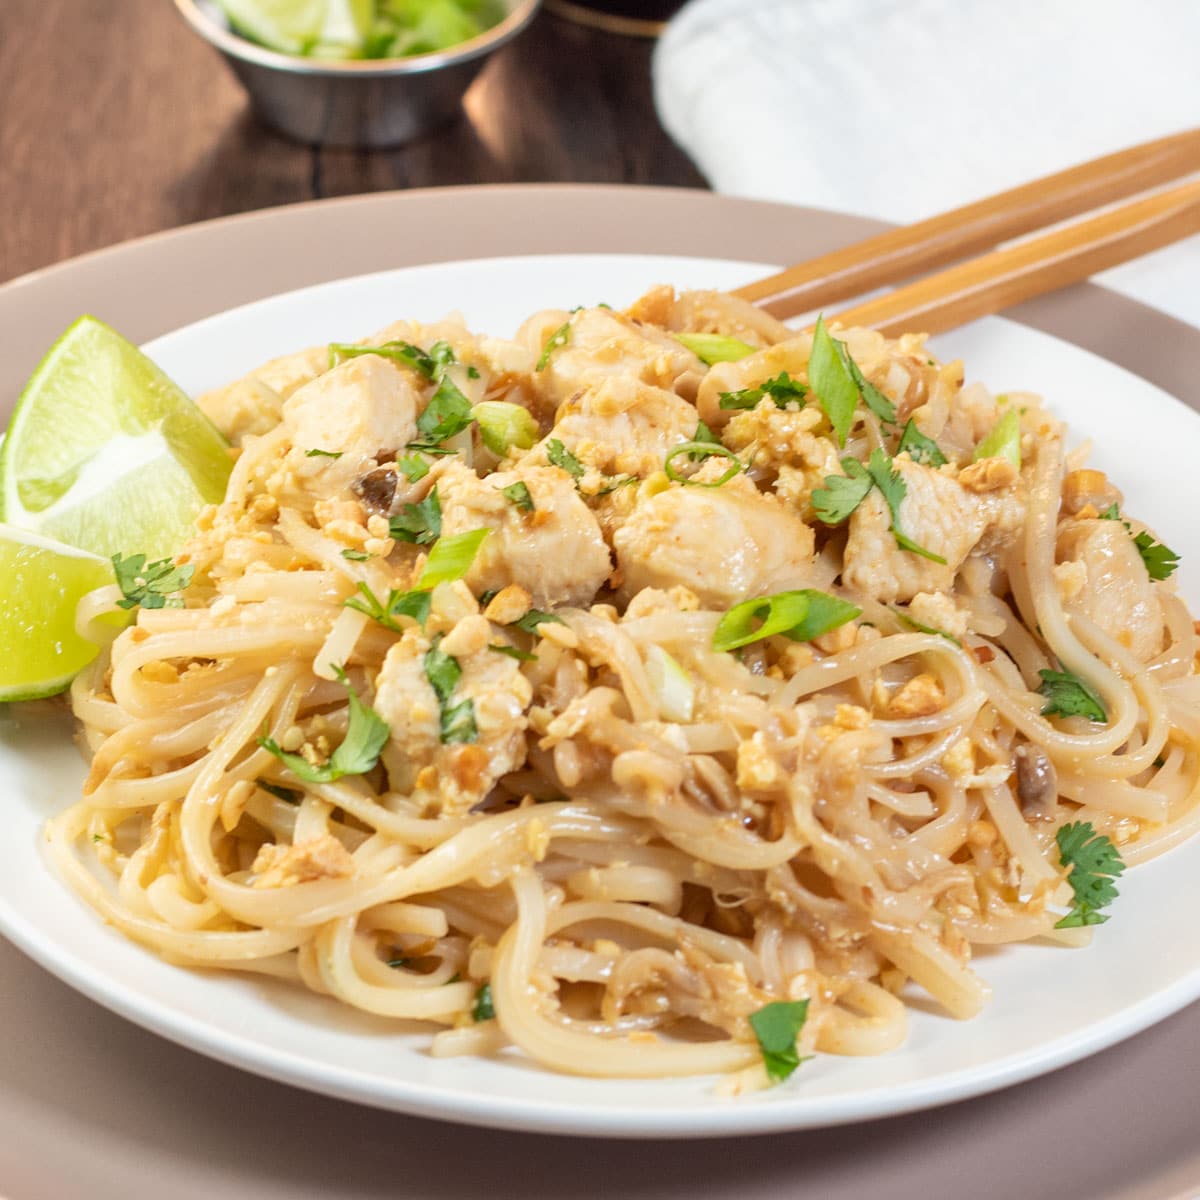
(359, 102)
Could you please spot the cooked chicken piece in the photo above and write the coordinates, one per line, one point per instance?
(621, 427)
(363, 407)
(724, 544)
(939, 515)
(602, 344)
(254, 403)
(1117, 594)
(555, 552)
(319, 858)
(452, 777)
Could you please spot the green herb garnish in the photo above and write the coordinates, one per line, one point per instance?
(150, 584)
(355, 555)
(782, 388)
(533, 618)
(419, 524)
(366, 735)
(559, 456)
(698, 452)
(412, 467)
(451, 558)
(414, 604)
(456, 721)
(801, 616)
(314, 453)
(840, 385)
(921, 449)
(519, 495)
(777, 1026)
(1094, 863)
(286, 794)
(484, 1010)
(713, 348)
(1068, 696)
(559, 337)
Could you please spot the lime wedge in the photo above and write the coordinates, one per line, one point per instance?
(40, 652)
(105, 453)
(289, 26)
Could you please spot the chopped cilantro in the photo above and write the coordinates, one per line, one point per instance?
(150, 584)
(484, 1010)
(366, 735)
(1094, 863)
(447, 413)
(782, 388)
(777, 1026)
(1068, 696)
(512, 652)
(920, 448)
(842, 494)
(420, 523)
(533, 618)
(413, 467)
(414, 604)
(1160, 561)
(314, 453)
(559, 456)
(457, 721)
(840, 384)
(355, 555)
(518, 494)
(893, 488)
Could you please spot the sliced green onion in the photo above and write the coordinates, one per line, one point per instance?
(801, 616)
(1004, 440)
(700, 451)
(451, 558)
(714, 347)
(672, 685)
(503, 425)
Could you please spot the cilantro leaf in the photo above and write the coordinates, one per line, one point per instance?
(782, 388)
(801, 616)
(419, 524)
(1094, 863)
(615, 485)
(840, 384)
(893, 489)
(533, 618)
(456, 721)
(413, 467)
(559, 456)
(447, 413)
(484, 1010)
(315, 453)
(704, 434)
(150, 584)
(518, 494)
(414, 604)
(560, 337)
(777, 1026)
(842, 494)
(921, 449)
(366, 735)
(1068, 696)
(1160, 561)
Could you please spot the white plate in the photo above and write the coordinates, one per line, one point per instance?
(1051, 1006)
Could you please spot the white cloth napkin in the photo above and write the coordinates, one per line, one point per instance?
(899, 109)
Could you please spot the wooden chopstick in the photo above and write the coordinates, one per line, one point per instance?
(1042, 264)
(902, 253)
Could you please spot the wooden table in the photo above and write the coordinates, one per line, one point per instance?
(117, 121)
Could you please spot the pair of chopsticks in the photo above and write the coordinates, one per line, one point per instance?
(1028, 268)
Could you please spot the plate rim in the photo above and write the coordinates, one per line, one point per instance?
(1149, 1012)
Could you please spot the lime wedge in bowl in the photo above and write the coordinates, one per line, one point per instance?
(43, 583)
(105, 453)
(289, 26)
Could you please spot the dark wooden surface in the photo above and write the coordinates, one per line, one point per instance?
(117, 121)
